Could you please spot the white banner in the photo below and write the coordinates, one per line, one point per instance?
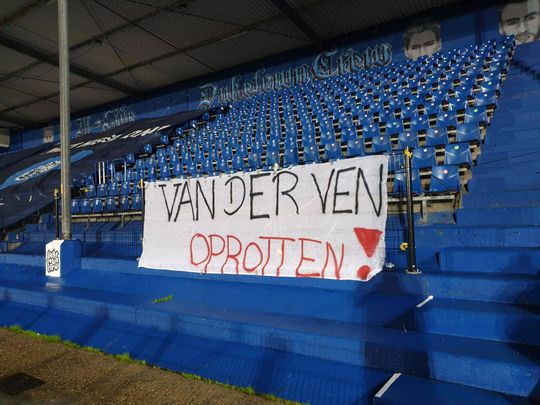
(321, 220)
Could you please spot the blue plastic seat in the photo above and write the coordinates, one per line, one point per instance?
(130, 158)
(407, 140)
(348, 134)
(393, 127)
(381, 144)
(419, 123)
(112, 189)
(208, 167)
(90, 190)
(102, 190)
(151, 174)
(75, 206)
(436, 136)
(238, 162)
(254, 160)
(370, 130)
(487, 98)
(355, 148)
(476, 115)
(125, 203)
(332, 151)
(290, 157)
(272, 158)
(395, 162)
(468, 133)
(164, 139)
(177, 170)
(400, 185)
(110, 204)
(147, 148)
(223, 165)
(311, 153)
(424, 157)
(136, 202)
(444, 179)
(457, 154)
(446, 119)
(85, 206)
(164, 171)
(126, 188)
(97, 205)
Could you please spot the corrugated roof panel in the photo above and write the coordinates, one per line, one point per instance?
(139, 44)
(242, 12)
(11, 95)
(40, 112)
(283, 27)
(243, 48)
(40, 80)
(12, 60)
(99, 59)
(144, 78)
(86, 97)
(9, 7)
(181, 67)
(184, 30)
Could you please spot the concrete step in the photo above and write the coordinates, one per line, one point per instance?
(524, 261)
(515, 216)
(504, 183)
(480, 320)
(413, 390)
(451, 358)
(502, 199)
(272, 371)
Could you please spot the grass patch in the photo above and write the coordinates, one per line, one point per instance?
(162, 299)
(126, 358)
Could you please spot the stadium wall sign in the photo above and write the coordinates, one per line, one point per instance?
(326, 64)
(322, 220)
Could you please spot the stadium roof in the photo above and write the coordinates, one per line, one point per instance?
(128, 48)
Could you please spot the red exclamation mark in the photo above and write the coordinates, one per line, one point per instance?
(369, 240)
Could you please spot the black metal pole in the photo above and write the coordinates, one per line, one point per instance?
(56, 213)
(142, 209)
(411, 245)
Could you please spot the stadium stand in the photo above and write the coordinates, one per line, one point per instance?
(465, 329)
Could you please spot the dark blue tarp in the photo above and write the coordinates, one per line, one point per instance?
(28, 178)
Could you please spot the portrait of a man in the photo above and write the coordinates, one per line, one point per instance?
(520, 19)
(422, 38)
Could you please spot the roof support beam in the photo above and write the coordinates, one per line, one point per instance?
(300, 23)
(52, 60)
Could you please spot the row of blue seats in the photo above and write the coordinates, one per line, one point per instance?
(443, 179)
(99, 205)
(454, 154)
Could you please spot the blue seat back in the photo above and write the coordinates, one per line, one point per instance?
(436, 136)
(381, 144)
(423, 158)
(444, 179)
(457, 154)
(400, 185)
(468, 132)
(355, 148)
(332, 151)
(407, 140)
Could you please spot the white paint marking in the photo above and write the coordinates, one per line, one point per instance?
(425, 301)
(385, 387)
